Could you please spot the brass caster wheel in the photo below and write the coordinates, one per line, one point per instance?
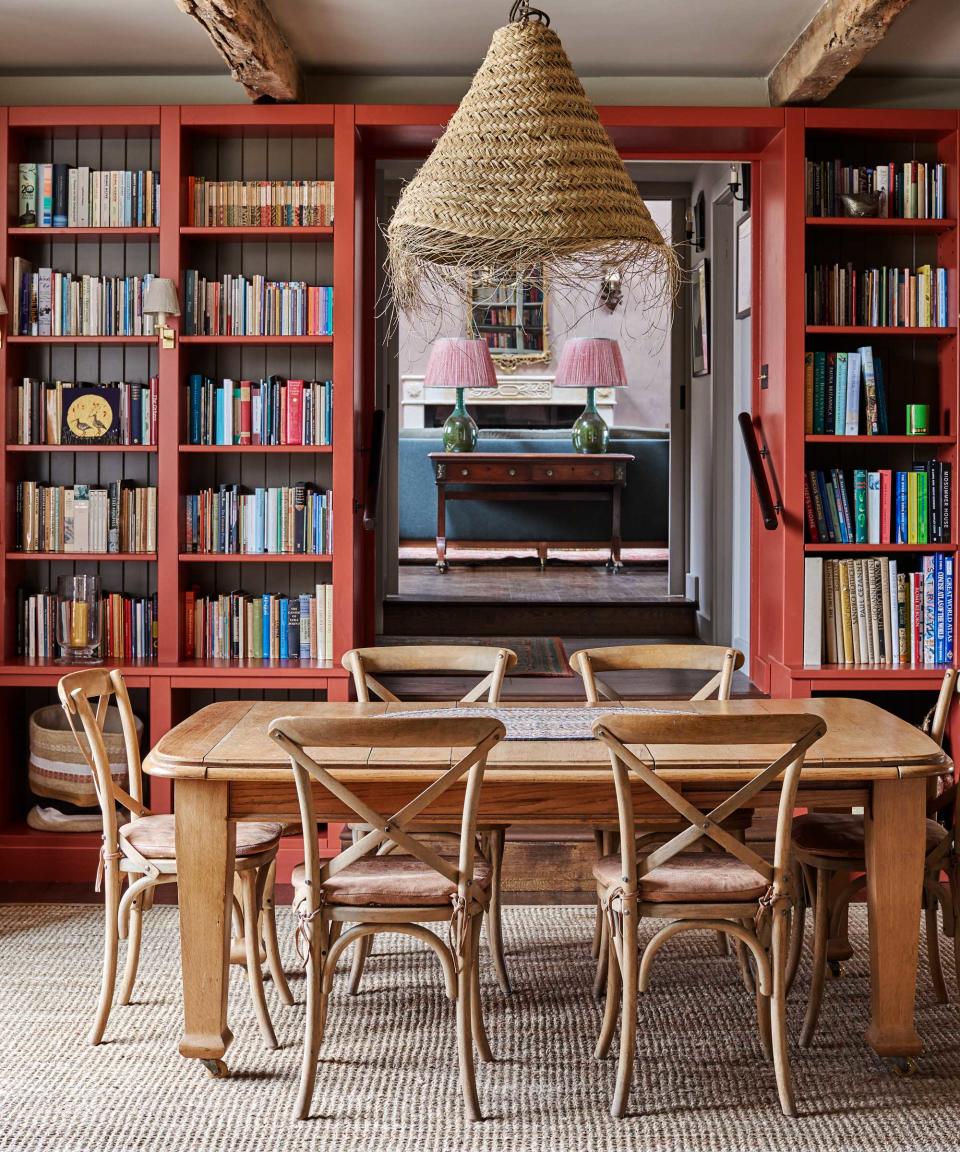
(216, 1069)
(837, 969)
(903, 1065)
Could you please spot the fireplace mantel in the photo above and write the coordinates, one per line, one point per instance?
(519, 390)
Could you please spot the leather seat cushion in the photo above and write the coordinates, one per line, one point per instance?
(153, 837)
(842, 834)
(690, 878)
(393, 882)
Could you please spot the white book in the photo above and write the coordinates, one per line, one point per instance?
(881, 186)
(895, 655)
(72, 198)
(873, 507)
(83, 197)
(69, 541)
(328, 621)
(227, 411)
(852, 420)
(81, 519)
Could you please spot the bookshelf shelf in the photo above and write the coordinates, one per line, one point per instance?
(881, 441)
(258, 449)
(880, 224)
(151, 448)
(932, 673)
(83, 233)
(832, 330)
(70, 557)
(877, 549)
(255, 557)
(307, 234)
(41, 340)
(249, 340)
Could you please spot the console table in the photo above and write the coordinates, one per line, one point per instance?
(522, 476)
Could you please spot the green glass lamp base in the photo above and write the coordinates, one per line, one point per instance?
(460, 429)
(590, 432)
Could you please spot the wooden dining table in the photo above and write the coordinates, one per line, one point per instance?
(226, 769)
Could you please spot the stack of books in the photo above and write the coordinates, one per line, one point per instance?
(912, 190)
(841, 295)
(64, 196)
(255, 306)
(128, 627)
(274, 411)
(51, 303)
(237, 626)
(121, 517)
(867, 611)
(845, 394)
(879, 507)
(267, 521)
(259, 203)
(46, 412)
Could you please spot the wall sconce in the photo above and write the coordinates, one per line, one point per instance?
(740, 174)
(611, 290)
(3, 312)
(161, 301)
(695, 224)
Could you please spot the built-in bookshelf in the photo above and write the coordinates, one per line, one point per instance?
(101, 453)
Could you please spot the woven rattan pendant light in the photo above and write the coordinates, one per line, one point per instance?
(524, 175)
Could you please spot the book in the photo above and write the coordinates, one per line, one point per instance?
(27, 196)
(852, 421)
(840, 405)
(812, 610)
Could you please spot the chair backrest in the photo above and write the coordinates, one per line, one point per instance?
(366, 663)
(85, 697)
(471, 739)
(631, 657)
(790, 734)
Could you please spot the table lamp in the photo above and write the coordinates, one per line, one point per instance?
(590, 362)
(161, 300)
(460, 362)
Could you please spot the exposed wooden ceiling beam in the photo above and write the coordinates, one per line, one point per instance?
(831, 45)
(246, 35)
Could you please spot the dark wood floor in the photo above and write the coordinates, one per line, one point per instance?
(493, 581)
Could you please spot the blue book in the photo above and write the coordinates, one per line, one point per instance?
(948, 609)
(901, 509)
(265, 600)
(304, 627)
(840, 406)
(284, 628)
(196, 401)
(218, 418)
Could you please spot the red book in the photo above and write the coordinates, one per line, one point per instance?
(294, 412)
(189, 619)
(886, 503)
(916, 588)
(812, 534)
(246, 417)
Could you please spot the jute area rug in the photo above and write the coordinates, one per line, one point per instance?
(388, 1073)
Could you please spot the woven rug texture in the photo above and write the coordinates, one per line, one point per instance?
(387, 1079)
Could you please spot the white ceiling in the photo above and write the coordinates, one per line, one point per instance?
(641, 38)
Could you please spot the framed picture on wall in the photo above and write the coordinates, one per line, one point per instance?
(700, 311)
(744, 268)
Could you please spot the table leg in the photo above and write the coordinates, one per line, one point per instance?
(206, 848)
(441, 528)
(615, 560)
(895, 854)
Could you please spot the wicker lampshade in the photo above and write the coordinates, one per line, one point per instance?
(459, 362)
(524, 176)
(590, 362)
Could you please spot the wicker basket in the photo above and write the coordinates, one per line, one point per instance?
(57, 768)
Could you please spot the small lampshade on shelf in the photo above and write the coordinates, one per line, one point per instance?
(591, 363)
(161, 301)
(459, 362)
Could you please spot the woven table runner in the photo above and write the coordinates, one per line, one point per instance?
(541, 723)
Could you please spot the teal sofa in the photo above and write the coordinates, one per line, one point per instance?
(645, 497)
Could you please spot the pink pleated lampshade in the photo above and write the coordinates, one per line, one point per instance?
(459, 362)
(590, 362)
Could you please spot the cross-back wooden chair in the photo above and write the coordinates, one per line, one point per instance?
(492, 664)
(142, 851)
(828, 844)
(589, 664)
(733, 890)
(371, 891)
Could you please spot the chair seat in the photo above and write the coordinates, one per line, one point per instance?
(393, 882)
(690, 878)
(153, 837)
(841, 834)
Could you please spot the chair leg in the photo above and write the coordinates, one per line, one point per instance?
(933, 947)
(268, 916)
(763, 1022)
(611, 1005)
(248, 884)
(778, 1014)
(134, 933)
(497, 843)
(745, 962)
(798, 921)
(821, 933)
(599, 917)
(361, 950)
(111, 937)
(628, 1012)
(317, 948)
(476, 1004)
(600, 976)
(468, 1083)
